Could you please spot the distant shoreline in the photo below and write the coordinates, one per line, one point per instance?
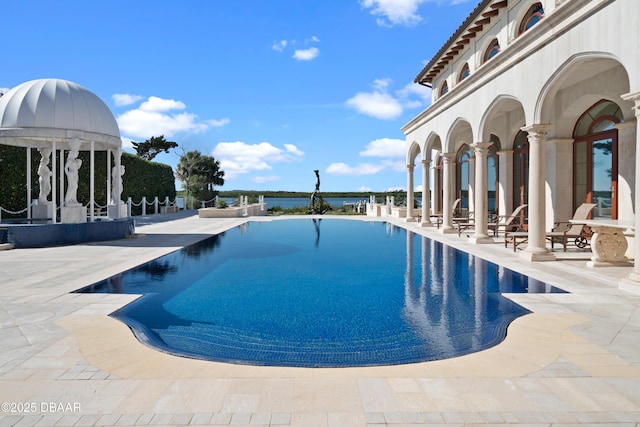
(298, 194)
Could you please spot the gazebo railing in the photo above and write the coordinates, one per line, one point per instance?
(165, 206)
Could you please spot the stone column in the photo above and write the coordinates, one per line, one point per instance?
(480, 193)
(505, 165)
(537, 246)
(632, 283)
(426, 194)
(410, 196)
(472, 186)
(449, 161)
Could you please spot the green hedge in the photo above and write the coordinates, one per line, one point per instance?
(141, 178)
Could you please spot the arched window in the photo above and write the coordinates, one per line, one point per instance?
(462, 175)
(493, 176)
(520, 169)
(464, 73)
(444, 88)
(595, 159)
(492, 50)
(531, 18)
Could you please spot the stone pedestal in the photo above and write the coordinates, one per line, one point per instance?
(43, 211)
(73, 214)
(609, 246)
(117, 211)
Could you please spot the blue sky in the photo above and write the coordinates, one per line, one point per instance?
(272, 88)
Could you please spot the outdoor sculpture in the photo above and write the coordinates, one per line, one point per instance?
(116, 184)
(71, 168)
(317, 204)
(44, 175)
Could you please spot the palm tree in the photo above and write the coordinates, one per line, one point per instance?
(199, 174)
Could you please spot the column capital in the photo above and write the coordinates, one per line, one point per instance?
(426, 163)
(448, 157)
(635, 97)
(481, 147)
(537, 133)
(410, 168)
(538, 128)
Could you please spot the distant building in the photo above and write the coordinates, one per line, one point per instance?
(533, 102)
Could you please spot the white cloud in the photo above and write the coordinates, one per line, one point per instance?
(293, 149)
(394, 12)
(394, 189)
(155, 104)
(122, 99)
(157, 116)
(418, 188)
(279, 46)
(237, 158)
(360, 169)
(385, 147)
(376, 104)
(306, 54)
(380, 104)
(218, 123)
(364, 189)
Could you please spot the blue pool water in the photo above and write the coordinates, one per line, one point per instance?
(320, 293)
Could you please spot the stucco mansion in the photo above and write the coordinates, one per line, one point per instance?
(533, 103)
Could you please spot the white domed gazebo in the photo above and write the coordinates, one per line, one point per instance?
(55, 116)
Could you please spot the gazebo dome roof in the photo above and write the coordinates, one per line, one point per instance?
(39, 110)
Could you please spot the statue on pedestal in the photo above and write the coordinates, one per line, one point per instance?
(44, 175)
(317, 204)
(71, 168)
(116, 184)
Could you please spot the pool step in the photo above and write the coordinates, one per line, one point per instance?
(226, 344)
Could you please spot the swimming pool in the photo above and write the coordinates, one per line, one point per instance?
(319, 293)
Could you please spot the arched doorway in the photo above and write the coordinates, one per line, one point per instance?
(595, 159)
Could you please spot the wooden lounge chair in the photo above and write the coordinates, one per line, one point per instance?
(455, 211)
(565, 231)
(508, 223)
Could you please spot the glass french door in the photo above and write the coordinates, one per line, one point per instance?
(595, 174)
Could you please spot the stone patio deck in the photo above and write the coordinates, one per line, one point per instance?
(574, 361)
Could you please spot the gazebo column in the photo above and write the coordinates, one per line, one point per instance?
(29, 181)
(537, 247)
(410, 193)
(632, 283)
(449, 161)
(73, 212)
(54, 182)
(480, 194)
(426, 195)
(92, 182)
